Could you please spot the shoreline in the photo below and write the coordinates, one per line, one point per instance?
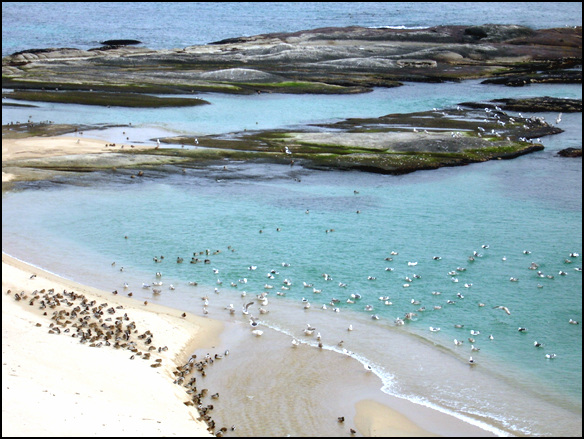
(119, 403)
(91, 392)
(372, 413)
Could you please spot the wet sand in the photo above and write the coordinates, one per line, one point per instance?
(266, 386)
(52, 385)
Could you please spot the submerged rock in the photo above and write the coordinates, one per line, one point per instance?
(570, 152)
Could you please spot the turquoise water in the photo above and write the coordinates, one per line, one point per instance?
(532, 203)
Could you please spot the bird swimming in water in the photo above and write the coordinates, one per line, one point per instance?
(521, 329)
(573, 322)
(471, 361)
(537, 344)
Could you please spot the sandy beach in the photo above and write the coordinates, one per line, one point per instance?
(53, 385)
(64, 147)
(95, 389)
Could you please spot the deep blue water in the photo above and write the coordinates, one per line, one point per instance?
(497, 209)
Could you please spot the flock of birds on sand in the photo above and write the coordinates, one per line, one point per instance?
(262, 299)
(101, 325)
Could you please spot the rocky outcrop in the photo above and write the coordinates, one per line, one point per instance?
(570, 152)
(327, 60)
(543, 104)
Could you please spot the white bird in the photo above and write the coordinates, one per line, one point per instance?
(434, 329)
(573, 322)
(504, 308)
(471, 361)
(368, 368)
(257, 332)
(458, 342)
(550, 356)
(350, 328)
(559, 118)
(295, 342)
(246, 307)
(473, 332)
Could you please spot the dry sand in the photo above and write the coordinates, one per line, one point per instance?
(55, 386)
(49, 147)
(52, 385)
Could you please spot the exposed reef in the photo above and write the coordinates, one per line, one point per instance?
(391, 144)
(327, 60)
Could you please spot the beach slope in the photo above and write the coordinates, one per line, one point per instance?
(53, 385)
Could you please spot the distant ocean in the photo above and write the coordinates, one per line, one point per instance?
(408, 250)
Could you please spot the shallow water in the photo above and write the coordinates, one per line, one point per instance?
(530, 203)
(449, 212)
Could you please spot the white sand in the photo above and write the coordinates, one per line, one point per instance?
(52, 385)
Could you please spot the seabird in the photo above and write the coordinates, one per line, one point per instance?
(573, 322)
(550, 356)
(458, 342)
(471, 361)
(257, 332)
(434, 329)
(504, 308)
(246, 307)
(368, 368)
(537, 344)
(295, 342)
(521, 329)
